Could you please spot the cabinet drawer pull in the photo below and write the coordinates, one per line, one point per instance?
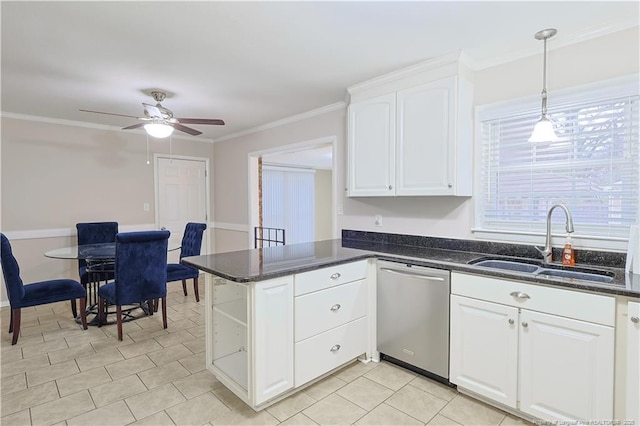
(335, 275)
(635, 320)
(525, 324)
(511, 321)
(335, 307)
(335, 348)
(520, 295)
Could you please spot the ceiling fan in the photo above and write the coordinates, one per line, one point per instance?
(160, 120)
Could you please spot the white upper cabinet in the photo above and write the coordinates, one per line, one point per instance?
(412, 135)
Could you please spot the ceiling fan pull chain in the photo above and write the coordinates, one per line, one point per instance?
(148, 149)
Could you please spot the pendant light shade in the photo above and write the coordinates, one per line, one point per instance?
(543, 131)
(158, 129)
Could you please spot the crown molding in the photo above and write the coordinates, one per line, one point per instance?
(292, 119)
(60, 121)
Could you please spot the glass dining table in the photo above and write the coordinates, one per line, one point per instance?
(100, 259)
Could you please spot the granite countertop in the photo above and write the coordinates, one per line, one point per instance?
(261, 264)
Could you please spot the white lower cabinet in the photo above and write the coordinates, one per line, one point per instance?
(513, 343)
(633, 363)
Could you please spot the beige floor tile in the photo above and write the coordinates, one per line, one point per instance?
(23, 341)
(38, 329)
(440, 420)
(14, 353)
(385, 415)
(324, 387)
(164, 374)
(511, 420)
(434, 388)
(147, 333)
(298, 420)
(197, 384)
(136, 349)
(62, 409)
(181, 324)
(229, 399)
(85, 380)
(117, 390)
(175, 338)
(198, 331)
(92, 334)
(365, 393)
(71, 333)
(121, 369)
(150, 402)
(197, 345)
(334, 410)
(290, 406)
(416, 403)
(108, 343)
(18, 419)
(157, 419)
(467, 411)
(355, 370)
(51, 372)
(14, 383)
(99, 359)
(390, 376)
(194, 363)
(246, 416)
(167, 355)
(114, 414)
(197, 411)
(24, 365)
(26, 398)
(85, 349)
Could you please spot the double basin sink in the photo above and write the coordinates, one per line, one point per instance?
(533, 267)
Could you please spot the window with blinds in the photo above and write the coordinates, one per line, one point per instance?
(593, 168)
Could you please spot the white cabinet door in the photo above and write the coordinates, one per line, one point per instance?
(484, 348)
(271, 351)
(371, 141)
(566, 368)
(633, 363)
(425, 139)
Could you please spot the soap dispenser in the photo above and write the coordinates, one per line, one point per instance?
(568, 253)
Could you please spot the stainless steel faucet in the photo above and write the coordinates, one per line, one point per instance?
(546, 251)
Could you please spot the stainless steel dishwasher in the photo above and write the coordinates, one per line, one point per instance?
(413, 317)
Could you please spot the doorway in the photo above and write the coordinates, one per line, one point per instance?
(300, 179)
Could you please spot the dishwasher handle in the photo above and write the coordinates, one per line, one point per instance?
(411, 274)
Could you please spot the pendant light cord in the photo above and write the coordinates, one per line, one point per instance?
(544, 80)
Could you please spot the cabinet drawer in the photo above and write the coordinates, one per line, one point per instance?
(324, 352)
(326, 309)
(590, 307)
(332, 276)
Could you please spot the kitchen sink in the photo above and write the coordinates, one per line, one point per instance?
(534, 267)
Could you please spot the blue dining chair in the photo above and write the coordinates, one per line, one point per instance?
(38, 293)
(140, 274)
(190, 246)
(93, 233)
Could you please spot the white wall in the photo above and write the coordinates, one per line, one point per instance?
(593, 60)
(323, 211)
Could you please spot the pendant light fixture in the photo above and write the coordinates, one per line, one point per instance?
(158, 129)
(543, 131)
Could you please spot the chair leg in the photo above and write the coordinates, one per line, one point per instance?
(156, 303)
(100, 311)
(15, 314)
(83, 312)
(119, 315)
(195, 289)
(184, 286)
(151, 306)
(74, 309)
(164, 312)
(11, 323)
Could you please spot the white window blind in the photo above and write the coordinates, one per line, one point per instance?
(288, 202)
(593, 168)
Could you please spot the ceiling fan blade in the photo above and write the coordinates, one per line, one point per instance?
(110, 113)
(134, 126)
(214, 121)
(153, 111)
(185, 129)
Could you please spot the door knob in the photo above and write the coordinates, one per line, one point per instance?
(335, 348)
(511, 321)
(525, 324)
(335, 276)
(635, 320)
(335, 307)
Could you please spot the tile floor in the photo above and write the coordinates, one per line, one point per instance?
(59, 374)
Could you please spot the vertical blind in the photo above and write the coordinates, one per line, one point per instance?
(288, 202)
(593, 168)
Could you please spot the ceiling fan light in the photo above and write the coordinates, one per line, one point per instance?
(543, 131)
(158, 130)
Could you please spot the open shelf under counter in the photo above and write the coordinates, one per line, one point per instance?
(234, 365)
(235, 310)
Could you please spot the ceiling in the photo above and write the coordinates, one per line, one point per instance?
(252, 63)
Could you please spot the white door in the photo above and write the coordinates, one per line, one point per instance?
(484, 348)
(566, 368)
(633, 363)
(371, 141)
(181, 196)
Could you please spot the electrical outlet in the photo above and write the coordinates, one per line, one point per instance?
(378, 220)
(145, 207)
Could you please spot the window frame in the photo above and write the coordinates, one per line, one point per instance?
(601, 90)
